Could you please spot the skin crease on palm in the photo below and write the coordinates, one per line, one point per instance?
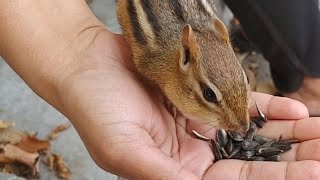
(86, 73)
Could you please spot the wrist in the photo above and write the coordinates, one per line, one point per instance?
(96, 53)
(41, 40)
(68, 64)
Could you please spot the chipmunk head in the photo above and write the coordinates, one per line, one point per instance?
(211, 84)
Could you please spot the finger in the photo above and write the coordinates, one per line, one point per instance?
(303, 130)
(308, 150)
(278, 107)
(234, 169)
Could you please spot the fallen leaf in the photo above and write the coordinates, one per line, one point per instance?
(56, 162)
(12, 136)
(5, 124)
(11, 154)
(20, 170)
(33, 145)
(50, 161)
(54, 133)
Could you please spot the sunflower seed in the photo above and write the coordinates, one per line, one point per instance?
(216, 150)
(261, 115)
(275, 158)
(252, 131)
(282, 145)
(249, 153)
(267, 144)
(241, 157)
(258, 121)
(222, 137)
(261, 139)
(267, 152)
(235, 135)
(250, 135)
(230, 146)
(258, 158)
(249, 145)
(235, 151)
(199, 136)
(224, 153)
(291, 141)
(252, 127)
(280, 138)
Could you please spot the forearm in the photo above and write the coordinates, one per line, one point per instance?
(41, 40)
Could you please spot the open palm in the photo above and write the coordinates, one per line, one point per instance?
(129, 132)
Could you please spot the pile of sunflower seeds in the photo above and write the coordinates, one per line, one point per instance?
(248, 147)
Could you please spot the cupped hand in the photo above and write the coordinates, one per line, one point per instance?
(129, 132)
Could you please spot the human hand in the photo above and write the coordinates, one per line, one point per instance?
(129, 132)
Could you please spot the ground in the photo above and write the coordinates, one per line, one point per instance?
(29, 112)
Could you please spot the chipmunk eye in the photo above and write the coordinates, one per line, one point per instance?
(209, 95)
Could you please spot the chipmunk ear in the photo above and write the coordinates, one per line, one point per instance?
(190, 47)
(221, 30)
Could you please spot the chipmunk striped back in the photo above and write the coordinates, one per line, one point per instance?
(159, 22)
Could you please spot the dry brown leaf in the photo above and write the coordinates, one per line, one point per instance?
(54, 133)
(12, 136)
(62, 170)
(5, 160)
(56, 162)
(5, 124)
(33, 145)
(12, 153)
(20, 170)
(50, 161)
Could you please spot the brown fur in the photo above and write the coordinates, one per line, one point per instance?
(212, 61)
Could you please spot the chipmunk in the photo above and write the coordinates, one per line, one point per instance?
(184, 48)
